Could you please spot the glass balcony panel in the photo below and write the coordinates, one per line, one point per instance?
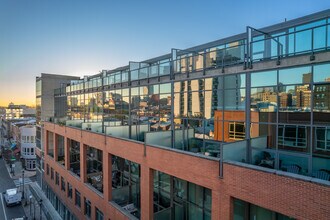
(328, 34)
(134, 74)
(118, 78)
(143, 73)
(233, 55)
(321, 153)
(319, 38)
(124, 76)
(235, 151)
(278, 45)
(263, 136)
(198, 62)
(154, 71)
(211, 59)
(303, 41)
(164, 68)
(111, 79)
(291, 42)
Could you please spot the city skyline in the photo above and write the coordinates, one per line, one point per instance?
(82, 38)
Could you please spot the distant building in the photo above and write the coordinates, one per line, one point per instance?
(19, 111)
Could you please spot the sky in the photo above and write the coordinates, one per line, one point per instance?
(82, 37)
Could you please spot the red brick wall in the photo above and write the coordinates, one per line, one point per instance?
(296, 198)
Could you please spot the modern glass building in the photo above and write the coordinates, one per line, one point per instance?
(238, 128)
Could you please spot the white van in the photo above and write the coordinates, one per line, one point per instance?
(13, 197)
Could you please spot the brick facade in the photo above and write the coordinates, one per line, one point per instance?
(293, 197)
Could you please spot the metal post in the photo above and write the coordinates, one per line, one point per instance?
(40, 203)
(23, 183)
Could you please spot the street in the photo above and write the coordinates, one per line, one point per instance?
(7, 213)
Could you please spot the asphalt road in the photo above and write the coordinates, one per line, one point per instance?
(7, 213)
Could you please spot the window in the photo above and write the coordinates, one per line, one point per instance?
(57, 178)
(292, 136)
(77, 198)
(32, 139)
(322, 138)
(98, 214)
(247, 211)
(237, 130)
(52, 173)
(47, 170)
(88, 208)
(23, 138)
(69, 190)
(62, 184)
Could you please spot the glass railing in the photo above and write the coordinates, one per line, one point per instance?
(187, 140)
(267, 47)
(289, 44)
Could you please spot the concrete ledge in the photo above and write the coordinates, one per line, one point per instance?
(184, 152)
(280, 173)
(119, 208)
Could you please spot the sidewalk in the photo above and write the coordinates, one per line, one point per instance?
(17, 171)
(31, 206)
(30, 203)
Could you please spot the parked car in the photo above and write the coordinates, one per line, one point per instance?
(12, 197)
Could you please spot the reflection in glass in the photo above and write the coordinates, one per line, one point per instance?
(295, 75)
(264, 78)
(293, 137)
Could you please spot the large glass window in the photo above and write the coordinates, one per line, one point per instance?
(77, 198)
(74, 148)
(60, 150)
(186, 201)
(50, 143)
(94, 168)
(98, 214)
(69, 190)
(247, 211)
(126, 184)
(88, 208)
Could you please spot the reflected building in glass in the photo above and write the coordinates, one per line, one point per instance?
(238, 128)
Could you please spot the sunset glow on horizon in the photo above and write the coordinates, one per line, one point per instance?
(80, 38)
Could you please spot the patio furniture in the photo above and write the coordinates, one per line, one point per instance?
(321, 174)
(293, 168)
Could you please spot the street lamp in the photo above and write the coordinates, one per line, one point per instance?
(23, 183)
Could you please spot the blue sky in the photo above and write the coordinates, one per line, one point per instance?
(77, 37)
